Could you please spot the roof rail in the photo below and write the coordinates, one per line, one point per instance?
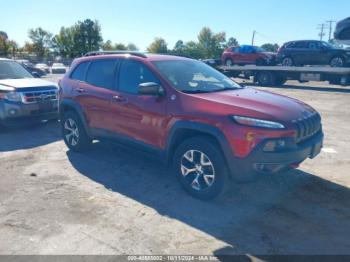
(134, 53)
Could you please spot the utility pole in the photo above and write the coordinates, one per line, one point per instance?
(321, 27)
(253, 38)
(330, 28)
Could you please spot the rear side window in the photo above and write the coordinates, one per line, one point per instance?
(79, 72)
(300, 45)
(132, 74)
(101, 73)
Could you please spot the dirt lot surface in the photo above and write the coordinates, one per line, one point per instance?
(117, 201)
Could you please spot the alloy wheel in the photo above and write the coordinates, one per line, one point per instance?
(197, 170)
(229, 62)
(337, 62)
(71, 132)
(287, 61)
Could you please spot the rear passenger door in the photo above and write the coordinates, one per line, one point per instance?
(142, 118)
(97, 91)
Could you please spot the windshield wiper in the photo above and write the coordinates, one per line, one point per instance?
(226, 89)
(196, 91)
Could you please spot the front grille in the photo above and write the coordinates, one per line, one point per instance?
(307, 127)
(39, 96)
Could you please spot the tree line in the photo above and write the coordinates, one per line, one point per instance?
(85, 36)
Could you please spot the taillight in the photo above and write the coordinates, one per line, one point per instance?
(280, 49)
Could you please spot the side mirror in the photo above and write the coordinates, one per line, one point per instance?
(151, 89)
(36, 75)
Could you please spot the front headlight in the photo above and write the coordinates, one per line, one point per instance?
(13, 96)
(248, 121)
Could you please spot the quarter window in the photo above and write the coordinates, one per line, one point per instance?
(132, 74)
(102, 73)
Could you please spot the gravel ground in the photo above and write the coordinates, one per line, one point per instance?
(112, 200)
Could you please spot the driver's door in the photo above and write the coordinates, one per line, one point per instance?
(139, 117)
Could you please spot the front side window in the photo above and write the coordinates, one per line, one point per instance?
(13, 70)
(132, 74)
(314, 45)
(80, 71)
(191, 76)
(101, 73)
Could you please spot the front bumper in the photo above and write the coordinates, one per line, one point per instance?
(13, 113)
(272, 162)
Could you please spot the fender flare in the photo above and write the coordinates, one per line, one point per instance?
(76, 108)
(204, 128)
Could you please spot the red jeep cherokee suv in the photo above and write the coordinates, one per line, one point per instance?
(198, 120)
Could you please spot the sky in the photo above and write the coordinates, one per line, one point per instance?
(140, 21)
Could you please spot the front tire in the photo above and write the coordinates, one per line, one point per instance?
(287, 61)
(74, 133)
(337, 62)
(229, 62)
(201, 168)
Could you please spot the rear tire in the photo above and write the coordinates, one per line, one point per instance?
(337, 62)
(201, 168)
(260, 62)
(74, 133)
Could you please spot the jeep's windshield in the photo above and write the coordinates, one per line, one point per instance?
(13, 70)
(191, 76)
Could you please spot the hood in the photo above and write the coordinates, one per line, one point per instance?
(26, 83)
(340, 50)
(251, 102)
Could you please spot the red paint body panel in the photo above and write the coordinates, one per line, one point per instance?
(244, 58)
(149, 119)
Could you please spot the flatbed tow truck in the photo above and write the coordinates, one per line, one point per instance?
(278, 75)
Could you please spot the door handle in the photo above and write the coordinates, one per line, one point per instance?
(119, 99)
(80, 90)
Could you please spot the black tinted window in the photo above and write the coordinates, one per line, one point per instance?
(300, 45)
(314, 45)
(102, 73)
(246, 49)
(290, 45)
(132, 74)
(79, 72)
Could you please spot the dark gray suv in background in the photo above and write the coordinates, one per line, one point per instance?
(312, 52)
